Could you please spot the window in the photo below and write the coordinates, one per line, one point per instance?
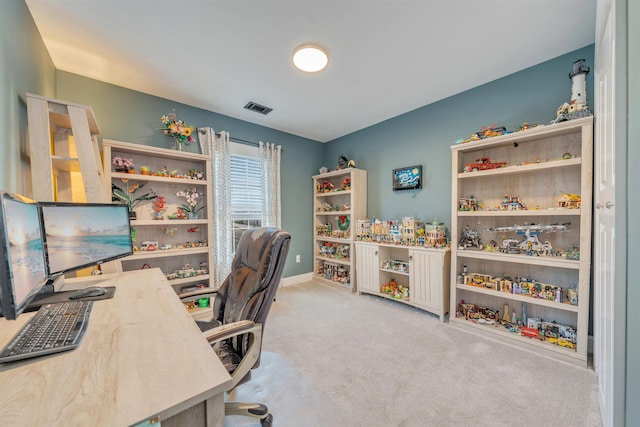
(246, 190)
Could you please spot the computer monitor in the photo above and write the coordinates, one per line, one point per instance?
(22, 259)
(80, 235)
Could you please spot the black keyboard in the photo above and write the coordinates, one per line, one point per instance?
(54, 328)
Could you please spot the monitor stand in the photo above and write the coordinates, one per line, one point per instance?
(48, 294)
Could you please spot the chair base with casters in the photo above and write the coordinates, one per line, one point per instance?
(240, 307)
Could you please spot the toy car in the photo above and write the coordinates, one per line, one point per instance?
(483, 163)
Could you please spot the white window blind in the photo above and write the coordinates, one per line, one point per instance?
(246, 194)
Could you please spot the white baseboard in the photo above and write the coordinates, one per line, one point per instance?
(294, 280)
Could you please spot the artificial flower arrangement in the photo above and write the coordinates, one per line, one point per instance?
(193, 198)
(121, 164)
(159, 206)
(177, 129)
(128, 195)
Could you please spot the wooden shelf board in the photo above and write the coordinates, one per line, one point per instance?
(521, 298)
(139, 222)
(334, 260)
(532, 212)
(186, 280)
(333, 193)
(538, 132)
(331, 239)
(519, 169)
(334, 213)
(166, 253)
(154, 178)
(395, 271)
(128, 148)
(567, 354)
(321, 279)
(547, 261)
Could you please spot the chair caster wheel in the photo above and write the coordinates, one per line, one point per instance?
(266, 421)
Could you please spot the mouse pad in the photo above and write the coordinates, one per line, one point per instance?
(63, 296)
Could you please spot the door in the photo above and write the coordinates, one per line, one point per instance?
(604, 212)
(426, 280)
(367, 267)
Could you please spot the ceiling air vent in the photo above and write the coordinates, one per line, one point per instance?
(258, 108)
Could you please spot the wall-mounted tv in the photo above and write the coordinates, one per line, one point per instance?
(409, 178)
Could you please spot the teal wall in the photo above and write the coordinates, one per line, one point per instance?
(25, 67)
(633, 225)
(130, 116)
(423, 136)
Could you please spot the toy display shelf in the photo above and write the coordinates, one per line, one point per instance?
(345, 207)
(543, 164)
(166, 231)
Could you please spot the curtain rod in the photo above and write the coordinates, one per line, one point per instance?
(238, 140)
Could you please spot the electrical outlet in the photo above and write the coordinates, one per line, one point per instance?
(297, 258)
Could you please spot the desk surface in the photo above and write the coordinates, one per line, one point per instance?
(142, 356)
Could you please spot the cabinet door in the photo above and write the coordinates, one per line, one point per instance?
(367, 267)
(426, 279)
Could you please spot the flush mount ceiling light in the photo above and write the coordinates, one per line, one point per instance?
(310, 58)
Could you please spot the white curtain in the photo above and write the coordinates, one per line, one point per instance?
(270, 169)
(217, 146)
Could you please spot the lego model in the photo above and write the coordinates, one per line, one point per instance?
(577, 107)
(470, 239)
(512, 203)
(569, 201)
(483, 163)
(467, 204)
(435, 235)
(530, 245)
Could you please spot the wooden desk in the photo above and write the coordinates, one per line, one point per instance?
(142, 357)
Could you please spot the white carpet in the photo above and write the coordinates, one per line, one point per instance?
(332, 358)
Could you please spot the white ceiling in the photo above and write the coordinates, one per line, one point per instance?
(388, 57)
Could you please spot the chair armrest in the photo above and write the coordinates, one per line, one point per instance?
(231, 330)
(252, 354)
(197, 294)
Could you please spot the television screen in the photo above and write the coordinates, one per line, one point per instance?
(80, 235)
(22, 264)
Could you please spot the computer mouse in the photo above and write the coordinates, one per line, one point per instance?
(92, 291)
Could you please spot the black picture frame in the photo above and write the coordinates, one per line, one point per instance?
(409, 178)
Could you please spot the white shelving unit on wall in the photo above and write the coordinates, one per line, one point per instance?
(340, 199)
(521, 238)
(180, 246)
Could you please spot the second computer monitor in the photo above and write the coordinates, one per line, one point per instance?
(80, 235)
(22, 260)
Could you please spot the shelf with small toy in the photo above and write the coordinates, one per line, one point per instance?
(527, 215)
(167, 194)
(413, 275)
(340, 198)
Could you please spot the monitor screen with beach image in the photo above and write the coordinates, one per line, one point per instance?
(80, 235)
(23, 266)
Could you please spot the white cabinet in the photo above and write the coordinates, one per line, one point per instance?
(178, 246)
(340, 199)
(521, 238)
(423, 271)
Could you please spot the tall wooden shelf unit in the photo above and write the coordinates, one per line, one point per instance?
(193, 234)
(333, 207)
(542, 164)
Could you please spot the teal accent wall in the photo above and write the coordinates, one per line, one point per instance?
(633, 225)
(424, 136)
(25, 67)
(130, 116)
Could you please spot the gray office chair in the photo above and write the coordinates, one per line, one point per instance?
(240, 309)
